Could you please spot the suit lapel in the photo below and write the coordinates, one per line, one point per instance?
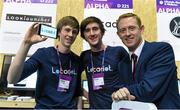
(141, 59)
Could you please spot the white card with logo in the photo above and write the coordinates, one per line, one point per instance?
(64, 84)
(98, 81)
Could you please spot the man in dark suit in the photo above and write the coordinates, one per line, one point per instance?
(153, 77)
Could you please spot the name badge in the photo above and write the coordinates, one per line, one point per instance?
(64, 83)
(98, 81)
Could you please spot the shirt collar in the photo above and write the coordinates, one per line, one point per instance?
(138, 50)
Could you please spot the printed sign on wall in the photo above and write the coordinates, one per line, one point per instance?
(18, 16)
(168, 23)
(108, 11)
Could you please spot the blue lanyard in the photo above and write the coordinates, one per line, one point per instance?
(60, 64)
(92, 64)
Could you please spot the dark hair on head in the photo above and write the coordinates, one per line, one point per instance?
(127, 15)
(88, 20)
(68, 20)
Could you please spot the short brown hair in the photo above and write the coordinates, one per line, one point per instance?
(88, 20)
(68, 20)
(127, 15)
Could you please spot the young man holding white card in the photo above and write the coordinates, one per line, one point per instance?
(59, 74)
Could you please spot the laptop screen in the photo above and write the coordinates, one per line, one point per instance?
(28, 83)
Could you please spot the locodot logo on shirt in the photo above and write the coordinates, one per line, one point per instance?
(99, 69)
(68, 72)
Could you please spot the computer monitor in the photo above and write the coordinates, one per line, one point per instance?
(28, 83)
